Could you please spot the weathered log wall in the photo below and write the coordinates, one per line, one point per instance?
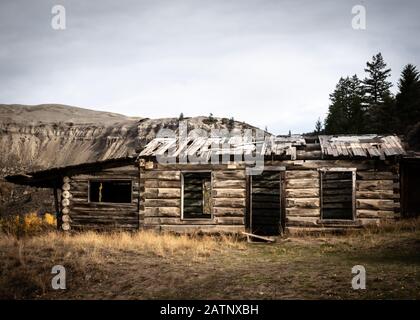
(160, 194)
(157, 197)
(88, 215)
(377, 192)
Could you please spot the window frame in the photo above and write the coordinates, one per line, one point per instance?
(211, 218)
(353, 198)
(107, 179)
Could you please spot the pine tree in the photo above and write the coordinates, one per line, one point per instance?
(181, 117)
(318, 126)
(377, 96)
(346, 113)
(408, 99)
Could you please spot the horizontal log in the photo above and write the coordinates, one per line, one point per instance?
(161, 184)
(301, 221)
(162, 202)
(193, 167)
(302, 193)
(229, 175)
(372, 185)
(229, 184)
(229, 202)
(220, 211)
(168, 221)
(104, 218)
(375, 204)
(317, 164)
(162, 175)
(302, 174)
(162, 193)
(375, 175)
(377, 194)
(229, 193)
(302, 183)
(162, 211)
(375, 214)
(369, 221)
(303, 212)
(302, 202)
(230, 220)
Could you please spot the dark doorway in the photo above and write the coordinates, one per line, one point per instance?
(265, 204)
(410, 187)
(337, 195)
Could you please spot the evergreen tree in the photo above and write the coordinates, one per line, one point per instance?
(181, 117)
(377, 96)
(408, 99)
(318, 126)
(346, 113)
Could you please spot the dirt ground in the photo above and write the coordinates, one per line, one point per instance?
(150, 266)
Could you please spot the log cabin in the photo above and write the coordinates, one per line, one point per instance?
(266, 187)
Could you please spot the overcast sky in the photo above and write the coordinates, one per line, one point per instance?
(269, 62)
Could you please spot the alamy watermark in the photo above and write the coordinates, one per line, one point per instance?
(59, 280)
(359, 280)
(219, 146)
(58, 20)
(358, 22)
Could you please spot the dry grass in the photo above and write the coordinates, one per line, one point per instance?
(26, 262)
(149, 265)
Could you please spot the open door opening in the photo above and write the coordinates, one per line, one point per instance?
(410, 188)
(265, 205)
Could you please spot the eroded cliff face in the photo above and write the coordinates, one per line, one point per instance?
(28, 147)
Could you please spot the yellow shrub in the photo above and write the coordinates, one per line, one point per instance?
(29, 224)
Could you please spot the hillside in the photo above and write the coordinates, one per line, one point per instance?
(51, 135)
(44, 136)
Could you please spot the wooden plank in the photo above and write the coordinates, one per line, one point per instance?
(302, 202)
(301, 221)
(302, 183)
(228, 211)
(377, 194)
(162, 202)
(162, 211)
(229, 193)
(303, 212)
(302, 174)
(372, 185)
(374, 175)
(375, 204)
(162, 175)
(302, 193)
(229, 175)
(375, 213)
(229, 184)
(229, 202)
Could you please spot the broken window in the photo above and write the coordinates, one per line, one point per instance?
(197, 195)
(112, 191)
(337, 189)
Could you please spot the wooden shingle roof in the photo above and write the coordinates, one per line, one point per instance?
(366, 146)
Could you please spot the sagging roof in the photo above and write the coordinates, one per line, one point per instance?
(206, 147)
(50, 177)
(366, 146)
(285, 147)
